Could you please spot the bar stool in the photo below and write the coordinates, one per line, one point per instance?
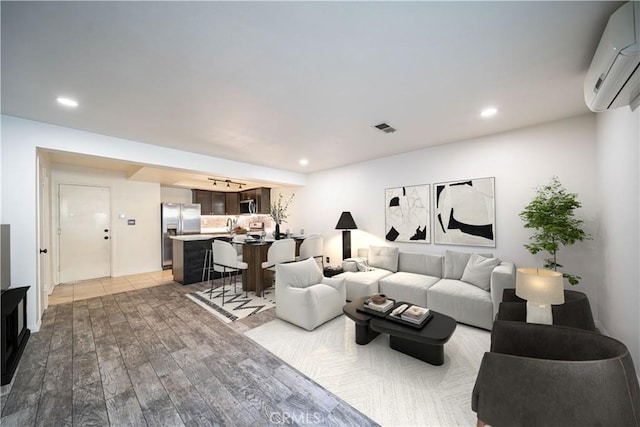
(207, 267)
(226, 262)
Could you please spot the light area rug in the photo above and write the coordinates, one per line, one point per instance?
(390, 387)
(236, 304)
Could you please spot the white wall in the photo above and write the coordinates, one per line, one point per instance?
(21, 138)
(520, 161)
(175, 195)
(134, 248)
(618, 138)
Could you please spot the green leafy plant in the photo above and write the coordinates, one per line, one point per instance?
(551, 214)
(279, 209)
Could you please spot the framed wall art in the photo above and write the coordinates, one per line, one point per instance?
(407, 214)
(465, 213)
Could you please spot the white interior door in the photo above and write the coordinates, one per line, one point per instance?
(44, 258)
(84, 232)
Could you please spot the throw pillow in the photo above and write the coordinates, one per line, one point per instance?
(478, 271)
(455, 263)
(385, 257)
(299, 274)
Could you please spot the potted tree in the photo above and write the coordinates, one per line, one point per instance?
(551, 215)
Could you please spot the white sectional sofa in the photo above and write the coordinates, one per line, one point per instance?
(465, 286)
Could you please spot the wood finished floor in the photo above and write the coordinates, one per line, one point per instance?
(152, 357)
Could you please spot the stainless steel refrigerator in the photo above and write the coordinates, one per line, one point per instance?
(177, 220)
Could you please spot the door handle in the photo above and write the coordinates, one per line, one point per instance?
(106, 230)
(106, 237)
(43, 251)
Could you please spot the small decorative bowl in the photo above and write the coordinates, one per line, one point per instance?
(378, 298)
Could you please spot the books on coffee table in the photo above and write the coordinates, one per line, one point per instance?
(410, 315)
(382, 308)
(415, 314)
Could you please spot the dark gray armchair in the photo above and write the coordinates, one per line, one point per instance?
(575, 312)
(547, 375)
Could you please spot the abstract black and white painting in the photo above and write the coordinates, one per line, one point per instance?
(465, 213)
(407, 214)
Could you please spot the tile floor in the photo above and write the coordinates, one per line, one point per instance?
(70, 292)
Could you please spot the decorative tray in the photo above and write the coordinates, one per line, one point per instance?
(383, 314)
(398, 319)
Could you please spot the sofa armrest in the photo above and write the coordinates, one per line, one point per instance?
(502, 277)
(512, 390)
(334, 282)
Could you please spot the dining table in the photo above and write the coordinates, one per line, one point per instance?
(254, 253)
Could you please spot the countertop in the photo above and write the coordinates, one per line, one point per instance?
(190, 237)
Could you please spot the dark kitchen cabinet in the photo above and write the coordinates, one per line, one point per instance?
(218, 203)
(228, 203)
(232, 203)
(204, 199)
(211, 202)
(263, 200)
(248, 195)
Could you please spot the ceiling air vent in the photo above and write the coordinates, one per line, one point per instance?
(384, 128)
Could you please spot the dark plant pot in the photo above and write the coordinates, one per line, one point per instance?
(277, 236)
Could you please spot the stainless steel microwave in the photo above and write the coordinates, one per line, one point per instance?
(248, 206)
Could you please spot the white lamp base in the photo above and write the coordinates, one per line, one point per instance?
(539, 313)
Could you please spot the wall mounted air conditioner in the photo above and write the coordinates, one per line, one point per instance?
(613, 79)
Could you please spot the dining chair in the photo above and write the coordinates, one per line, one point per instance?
(226, 262)
(312, 247)
(280, 251)
(237, 241)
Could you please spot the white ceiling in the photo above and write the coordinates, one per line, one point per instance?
(271, 82)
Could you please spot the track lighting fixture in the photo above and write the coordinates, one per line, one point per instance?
(228, 181)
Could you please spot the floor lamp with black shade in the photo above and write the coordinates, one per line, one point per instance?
(346, 224)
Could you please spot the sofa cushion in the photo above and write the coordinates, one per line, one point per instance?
(464, 302)
(428, 264)
(409, 287)
(455, 263)
(362, 283)
(478, 271)
(385, 257)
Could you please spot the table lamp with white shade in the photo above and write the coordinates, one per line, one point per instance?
(540, 288)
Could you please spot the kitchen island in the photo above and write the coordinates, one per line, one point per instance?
(189, 252)
(188, 256)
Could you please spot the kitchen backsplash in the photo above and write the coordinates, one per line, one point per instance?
(220, 221)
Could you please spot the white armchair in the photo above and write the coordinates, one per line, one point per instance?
(305, 297)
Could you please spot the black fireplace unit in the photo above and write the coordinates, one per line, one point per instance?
(14, 330)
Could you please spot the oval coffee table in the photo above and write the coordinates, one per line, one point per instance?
(426, 344)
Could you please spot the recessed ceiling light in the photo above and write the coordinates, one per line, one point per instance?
(488, 112)
(67, 102)
(303, 162)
